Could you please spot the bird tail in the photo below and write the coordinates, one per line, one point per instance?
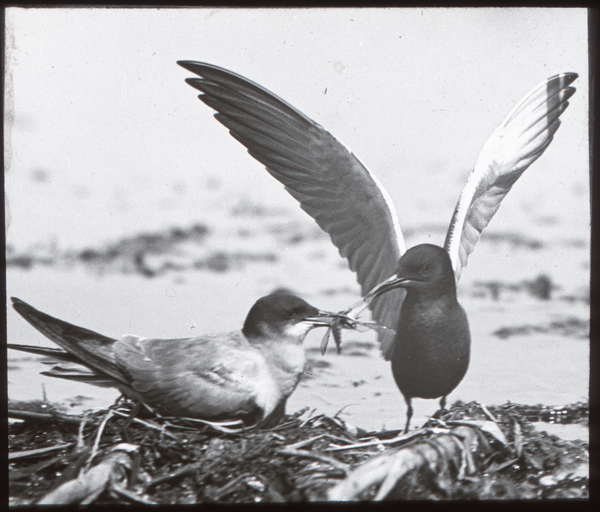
(89, 377)
(68, 367)
(54, 353)
(82, 346)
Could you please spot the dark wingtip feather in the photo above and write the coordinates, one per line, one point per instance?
(190, 65)
(196, 83)
(22, 307)
(570, 77)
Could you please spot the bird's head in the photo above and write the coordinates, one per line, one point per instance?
(284, 316)
(424, 269)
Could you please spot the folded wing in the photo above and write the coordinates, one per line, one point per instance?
(82, 346)
(328, 180)
(518, 142)
(214, 381)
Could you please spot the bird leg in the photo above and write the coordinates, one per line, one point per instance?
(443, 403)
(125, 430)
(440, 411)
(409, 413)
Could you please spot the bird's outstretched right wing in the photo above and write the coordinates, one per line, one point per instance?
(328, 180)
(518, 142)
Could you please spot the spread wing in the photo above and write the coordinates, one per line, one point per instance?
(328, 180)
(206, 377)
(518, 142)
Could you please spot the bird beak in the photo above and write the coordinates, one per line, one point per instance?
(321, 319)
(390, 283)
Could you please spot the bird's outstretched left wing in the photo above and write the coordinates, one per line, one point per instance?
(328, 180)
(518, 142)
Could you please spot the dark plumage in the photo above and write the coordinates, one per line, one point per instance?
(431, 349)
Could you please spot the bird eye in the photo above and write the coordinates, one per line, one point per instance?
(291, 313)
(425, 269)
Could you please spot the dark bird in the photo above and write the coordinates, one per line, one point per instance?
(244, 375)
(430, 352)
(431, 349)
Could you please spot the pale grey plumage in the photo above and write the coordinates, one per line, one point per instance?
(244, 375)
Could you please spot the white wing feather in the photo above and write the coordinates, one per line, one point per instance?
(328, 180)
(520, 140)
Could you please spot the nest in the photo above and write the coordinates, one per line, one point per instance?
(468, 452)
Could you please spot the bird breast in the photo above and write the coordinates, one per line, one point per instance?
(431, 349)
(286, 365)
(433, 324)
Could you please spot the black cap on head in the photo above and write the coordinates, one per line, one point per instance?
(276, 310)
(426, 265)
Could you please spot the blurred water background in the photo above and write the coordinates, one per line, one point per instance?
(131, 210)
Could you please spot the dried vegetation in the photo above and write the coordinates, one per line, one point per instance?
(468, 452)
